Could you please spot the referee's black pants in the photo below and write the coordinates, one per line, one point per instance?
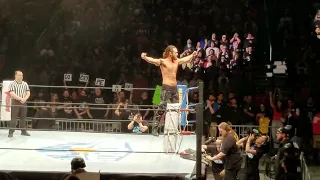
(18, 109)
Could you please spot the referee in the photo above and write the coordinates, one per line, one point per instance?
(20, 92)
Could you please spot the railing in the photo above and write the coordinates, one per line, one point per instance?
(75, 125)
(304, 168)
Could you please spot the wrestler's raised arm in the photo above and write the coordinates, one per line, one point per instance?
(151, 60)
(187, 58)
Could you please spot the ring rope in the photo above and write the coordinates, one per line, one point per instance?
(89, 104)
(97, 108)
(75, 119)
(83, 150)
(85, 87)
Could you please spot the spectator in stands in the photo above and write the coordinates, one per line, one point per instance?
(234, 113)
(249, 112)
(213, 48)
(122, 112)
(182, 81)
(40, 102)
(249, 41)
(290, 119)
(42, 111)
(235, 41)
(74, 96)
(138, 125)
(189, 46)
(209, 111)
(224, 41)
(223, 80)
(54, 104)
(263, 112)
(146, 110)
(210, 68)
(214, 40)
(100, 101)
(248, 56)
(277, 120)
(316, 137)
(65, 111)
(197, 63)
(198, 46)
(80, 107)
(81, 110)
(195, 98)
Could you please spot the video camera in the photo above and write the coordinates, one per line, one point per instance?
(255, 132)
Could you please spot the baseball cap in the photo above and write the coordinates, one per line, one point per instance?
(286, 129)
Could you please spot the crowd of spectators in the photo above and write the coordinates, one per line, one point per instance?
(225, 53)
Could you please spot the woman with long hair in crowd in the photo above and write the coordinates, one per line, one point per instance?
(277, 120)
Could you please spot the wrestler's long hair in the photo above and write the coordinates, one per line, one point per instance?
(167, 51)
(225, 126)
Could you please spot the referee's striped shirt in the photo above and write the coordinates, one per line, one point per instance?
(19, 88)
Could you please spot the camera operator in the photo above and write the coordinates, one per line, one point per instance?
(77, 167)
(287, 160)
(137, 124)
(253, 145)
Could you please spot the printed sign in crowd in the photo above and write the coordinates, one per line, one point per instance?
(100, 82)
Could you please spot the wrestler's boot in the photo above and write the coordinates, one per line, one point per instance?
(155, 128)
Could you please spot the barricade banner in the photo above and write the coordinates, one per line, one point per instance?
(6, 101)
(182, 90)
(156, 95)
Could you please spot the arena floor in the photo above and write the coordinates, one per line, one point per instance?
(107, 153)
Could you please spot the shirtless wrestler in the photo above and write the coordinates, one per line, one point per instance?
(169, 67)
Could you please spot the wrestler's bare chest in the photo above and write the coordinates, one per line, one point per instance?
(169, 67)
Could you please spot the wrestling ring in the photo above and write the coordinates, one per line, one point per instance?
(106, 149)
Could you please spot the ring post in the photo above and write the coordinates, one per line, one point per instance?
(199, 132)
(201, 87)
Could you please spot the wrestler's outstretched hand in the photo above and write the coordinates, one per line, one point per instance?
(194, 53)
(143, 55)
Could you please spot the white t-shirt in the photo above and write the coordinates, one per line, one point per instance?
(215, 49)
